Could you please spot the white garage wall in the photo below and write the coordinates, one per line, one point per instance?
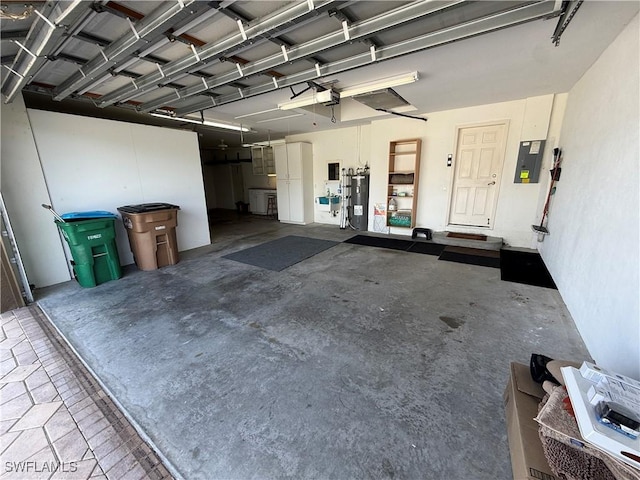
(95, 164)
(518, 204)
(592, 249)
(350, 147)
(24, 190)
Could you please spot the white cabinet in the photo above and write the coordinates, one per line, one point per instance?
(262, 161)
(269, 161)
(294, 180)
(258, 200)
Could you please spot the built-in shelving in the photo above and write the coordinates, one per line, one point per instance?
(402, 182)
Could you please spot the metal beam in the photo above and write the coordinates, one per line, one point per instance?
(201, 12)
(142, 32)
(363, 29)
(119, 10)
(523, 14)
(233, 13)
(271, 25)
(15, 35)
(93, 39)
(70, 58)
(565, 19)
(45, 35)
(188, 40)
(7, 59)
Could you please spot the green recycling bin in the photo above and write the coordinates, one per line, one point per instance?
(93, 248)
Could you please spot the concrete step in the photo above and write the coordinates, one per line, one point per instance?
(491, 243)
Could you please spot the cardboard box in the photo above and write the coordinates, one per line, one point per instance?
(521, 399)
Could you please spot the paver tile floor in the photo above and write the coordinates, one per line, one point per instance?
(57, 422)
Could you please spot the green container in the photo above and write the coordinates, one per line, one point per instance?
(93, 247)
(399, 220)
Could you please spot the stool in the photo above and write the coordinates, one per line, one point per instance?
(425, 231)
(272, 206)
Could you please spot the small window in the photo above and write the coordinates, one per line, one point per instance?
(334, 171)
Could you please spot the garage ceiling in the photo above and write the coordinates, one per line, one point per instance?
(235, 62)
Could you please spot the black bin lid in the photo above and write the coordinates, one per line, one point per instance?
(147, 207)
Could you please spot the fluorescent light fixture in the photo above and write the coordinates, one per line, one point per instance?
(227, 126)
(298, 103)
(208, 123)
(379, 84)
(324, 96)
(280, 118)
(167, 117)
(256, 113)
(266, 143)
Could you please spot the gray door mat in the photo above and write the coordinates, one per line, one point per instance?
(282, 253)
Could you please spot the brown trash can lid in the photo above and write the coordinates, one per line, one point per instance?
(147, 207)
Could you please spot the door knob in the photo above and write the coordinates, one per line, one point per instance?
(492, 183)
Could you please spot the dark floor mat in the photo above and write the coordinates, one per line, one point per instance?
(426, 248)
(471, 256)
(525, 267)
(392, 243)
(467, 236)
(281, 253)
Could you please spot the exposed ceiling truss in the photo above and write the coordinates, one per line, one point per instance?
(203, 55)
(374, 55)
(186, 56)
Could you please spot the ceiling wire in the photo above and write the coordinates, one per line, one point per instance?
(401, 114)
(358, 144)
(314, 109)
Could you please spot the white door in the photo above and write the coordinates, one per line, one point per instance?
(280, 155)
(478, 167)
(296, 203)
(253, 201)
(282, 192)
(294, 161)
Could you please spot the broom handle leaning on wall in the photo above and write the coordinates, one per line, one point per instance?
(53, 212)
(556, 163)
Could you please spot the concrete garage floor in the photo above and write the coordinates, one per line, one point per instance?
(356, 363)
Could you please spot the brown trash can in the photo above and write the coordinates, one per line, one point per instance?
(151, 228)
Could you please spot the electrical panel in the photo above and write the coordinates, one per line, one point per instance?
(529, 161)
